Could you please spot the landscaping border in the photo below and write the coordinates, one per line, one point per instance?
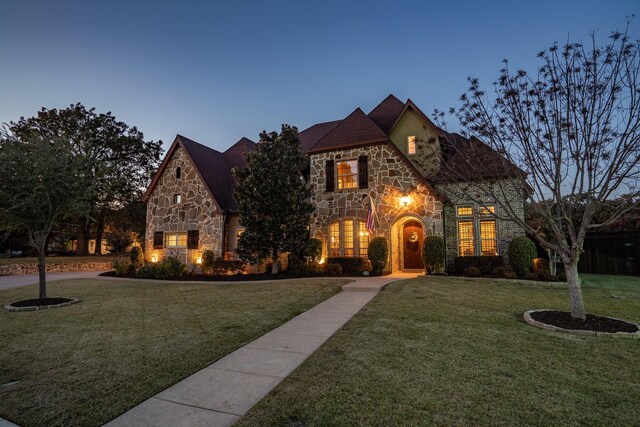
(9, 307)
(531, 321)
(16, 269)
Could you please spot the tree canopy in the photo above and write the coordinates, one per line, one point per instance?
(272, 196)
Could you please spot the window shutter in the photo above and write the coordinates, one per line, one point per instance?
(193, 237)
(158, 237)
(330, 176)
(363, 172)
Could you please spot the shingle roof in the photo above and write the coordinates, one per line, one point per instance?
(355, 130)
(386, 113)
(311, 135)
(470, 159)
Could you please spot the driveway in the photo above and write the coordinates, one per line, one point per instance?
(8, 282)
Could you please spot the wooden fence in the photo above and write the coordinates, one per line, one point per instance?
(611, 253)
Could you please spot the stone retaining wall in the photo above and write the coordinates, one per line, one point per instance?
(11, 269)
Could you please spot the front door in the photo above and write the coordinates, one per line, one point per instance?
(412, 237)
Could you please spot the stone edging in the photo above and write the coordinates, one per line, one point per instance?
(15, 269)
(41, 307)
(531, 321)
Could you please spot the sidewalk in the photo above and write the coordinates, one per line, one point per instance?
(221, 393)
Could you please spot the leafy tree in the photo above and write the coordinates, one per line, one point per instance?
(573, 128)
(40, 184)
(118, 162)
(273, 198)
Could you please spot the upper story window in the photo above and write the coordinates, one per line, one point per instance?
(411, 145)
(178, 172)
(347, 172)
(177, 199)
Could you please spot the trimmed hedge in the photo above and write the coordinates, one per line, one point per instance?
(433, 253)
(522, 251)
(378, 254)
(228, 267)
(350, 265)
(486, 264)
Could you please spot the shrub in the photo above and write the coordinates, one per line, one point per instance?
(485, 264)
(540, 264)
(510, 275)
(433, 252)
(351, 265)
(168, 268)
(228, 267)
(207, 261)
(562, 276)
(472, 272)
(122, 267)
(333, 269)
(530, 276)
(313, 249)
(378, 254)
(499, 272)
(119, 240)
(137, 257)
(521, 251)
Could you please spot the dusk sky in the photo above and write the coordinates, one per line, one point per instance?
(217, 71)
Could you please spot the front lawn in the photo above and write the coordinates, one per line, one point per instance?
(449, 351)
(5, 260)
(87, 363)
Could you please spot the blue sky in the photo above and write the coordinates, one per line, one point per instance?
(217, 71)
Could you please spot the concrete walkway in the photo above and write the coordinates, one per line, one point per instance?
(8, 282)
(221, 393)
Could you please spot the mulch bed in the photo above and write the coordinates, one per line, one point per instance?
(563, 319)
(39, 302)
(232, 278)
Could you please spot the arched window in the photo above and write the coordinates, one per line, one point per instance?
(178, 172)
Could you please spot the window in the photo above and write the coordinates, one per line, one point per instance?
(178, 172)
(487, 210)
(348, 238)
(334, 239)
(465, 238)
(488, 246)
(465, 211)
(347, 175)
(177, 199)
(363, 238)
(411, 145)
(175, 240)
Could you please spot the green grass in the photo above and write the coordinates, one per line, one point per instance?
(57, 259)
(87, 363)
(450, 351)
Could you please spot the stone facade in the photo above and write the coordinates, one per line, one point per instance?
(389, 178)
(196, 211)
(11, 269)
(497, 194)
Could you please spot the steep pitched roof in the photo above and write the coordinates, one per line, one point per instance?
(355, 130)
(312, 134)
(470, 159)
(213, 167)
(387, 113)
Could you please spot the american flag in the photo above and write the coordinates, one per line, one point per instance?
(371, 213)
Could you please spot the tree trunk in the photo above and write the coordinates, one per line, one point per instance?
(274, 263)
(83, 239)
(575, 291)
(42, 272)
(99, 233)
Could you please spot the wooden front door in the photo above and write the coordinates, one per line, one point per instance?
(412, 237)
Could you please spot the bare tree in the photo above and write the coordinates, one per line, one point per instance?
(573, 130)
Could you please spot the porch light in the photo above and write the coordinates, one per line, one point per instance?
(199, 260)
(404, 200)
(154, 258)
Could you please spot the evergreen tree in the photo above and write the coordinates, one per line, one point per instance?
(273, 198)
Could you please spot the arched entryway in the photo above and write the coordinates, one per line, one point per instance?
(412, 238)
(407, 235)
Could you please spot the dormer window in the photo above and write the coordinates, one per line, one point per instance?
(411, 145)
(178, 172)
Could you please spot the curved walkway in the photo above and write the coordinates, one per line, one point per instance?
(221, 393)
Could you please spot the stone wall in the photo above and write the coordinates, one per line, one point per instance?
(12, 269)
(389, 179)
(500, 194)
(197, 211)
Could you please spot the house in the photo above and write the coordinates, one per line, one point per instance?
(415, 175)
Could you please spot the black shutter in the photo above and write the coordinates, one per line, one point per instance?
(363, 172)
(193, 237)
(330, 175)
(158, 237)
